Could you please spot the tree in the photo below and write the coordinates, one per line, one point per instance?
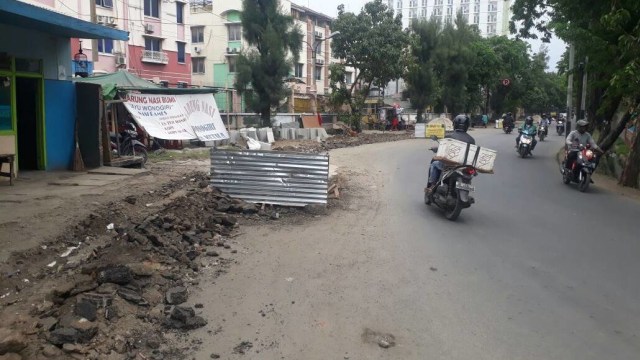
(454, 62)
(263, 68)
(372, 43)
(605, 32)
(421, 78)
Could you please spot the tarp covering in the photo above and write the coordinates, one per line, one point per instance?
(448, 124)
(118, 80)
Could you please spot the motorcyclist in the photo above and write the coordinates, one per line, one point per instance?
(545, 120)
(576, 139)
(530, 129)
(461, 124)
(507, 120)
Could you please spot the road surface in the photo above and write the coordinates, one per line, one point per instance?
(534, 270)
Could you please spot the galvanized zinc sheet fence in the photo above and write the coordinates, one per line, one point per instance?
(271, 177)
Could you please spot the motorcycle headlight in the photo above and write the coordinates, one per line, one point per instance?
(589, 154)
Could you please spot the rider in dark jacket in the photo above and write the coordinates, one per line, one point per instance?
(460, 126)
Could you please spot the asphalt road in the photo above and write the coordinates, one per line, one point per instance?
(534, 270)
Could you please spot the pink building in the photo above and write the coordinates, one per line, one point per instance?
(158, 35)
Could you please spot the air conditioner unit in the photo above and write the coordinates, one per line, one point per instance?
(234, 50)
(100, 19)
(320, 61)
(319, 34)
(121, 60)
(197, 50)
(148, 28)
(228, 50)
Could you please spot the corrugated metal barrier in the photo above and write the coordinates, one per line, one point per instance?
(271, 177)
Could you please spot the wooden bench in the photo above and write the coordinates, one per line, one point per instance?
(7, 159)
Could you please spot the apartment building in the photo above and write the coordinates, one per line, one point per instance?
(216, 41)
(490, 16)
(157, 49)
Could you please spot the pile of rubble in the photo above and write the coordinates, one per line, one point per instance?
(115, 283)
(338, 141)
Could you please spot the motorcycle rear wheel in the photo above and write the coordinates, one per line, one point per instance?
(453, 214)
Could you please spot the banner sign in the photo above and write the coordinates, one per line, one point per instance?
(435, 129)
(177, 117)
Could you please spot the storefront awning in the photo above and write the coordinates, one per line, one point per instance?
(19, 14)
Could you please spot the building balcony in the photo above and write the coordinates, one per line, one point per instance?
(156, 57)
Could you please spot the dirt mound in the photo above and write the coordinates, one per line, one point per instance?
(112, 285)
(338, 141)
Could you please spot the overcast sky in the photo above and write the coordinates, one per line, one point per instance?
(330, 7)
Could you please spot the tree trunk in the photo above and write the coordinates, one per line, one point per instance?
(265, 117)
(631, 171)
(419, 116)
(618, 123)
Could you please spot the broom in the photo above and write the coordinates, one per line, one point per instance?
(78, 164)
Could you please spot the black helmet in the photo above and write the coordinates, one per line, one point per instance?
(509, 113)
(461, 123)
(528, 120)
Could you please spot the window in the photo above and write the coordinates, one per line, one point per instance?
(235, 32)
(476, 8)
(465, 9)
(438, 2)
(448, 19)
(233, 62)
(399, 4)
(348, 77)
(105, 46)
(413, 13)
(423, 13)
(450, 2)
(197, 34)
(299, 70)
(437, 11)
(152, 44)
(464, 1)
(492, 18)
(197, 65)
(493, 6)
(491, 29)
(476, 19)
(413, 3)
(105, 3)
(180, 13)
(424, 3)
(318, 72)
(181, 52)
(152, 8)
(449, 11)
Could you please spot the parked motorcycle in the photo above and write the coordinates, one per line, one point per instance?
(582, 169)
(452, 192)
(543, 131)
(129, 143)
(526, 143)
(560, 127)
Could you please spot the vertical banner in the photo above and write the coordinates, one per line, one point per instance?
(177, 117)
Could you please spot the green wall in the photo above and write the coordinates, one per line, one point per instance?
(233, 16)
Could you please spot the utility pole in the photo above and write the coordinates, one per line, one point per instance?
(583, 101)
(572, 55)
(94, 42)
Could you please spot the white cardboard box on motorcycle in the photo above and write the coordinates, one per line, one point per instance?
(454, 152)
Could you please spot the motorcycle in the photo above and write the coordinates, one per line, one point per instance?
(452, 192)
(560, 127)
(507, 128)
(582, 168)
(543, 131)
(129, 144)
(526, 143)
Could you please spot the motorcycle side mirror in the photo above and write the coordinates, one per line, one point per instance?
(434, 138)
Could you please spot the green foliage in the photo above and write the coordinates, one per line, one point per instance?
(262, 69)
(372, 42)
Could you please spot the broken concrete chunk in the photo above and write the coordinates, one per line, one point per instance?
(86, 309)
(176, 295)
(11, 341)
(120, 275)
